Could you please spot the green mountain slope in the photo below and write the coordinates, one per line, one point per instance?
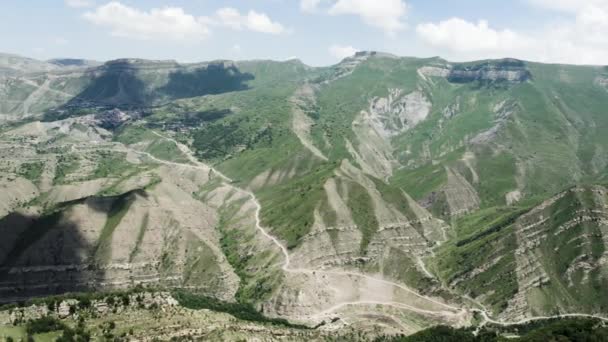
(400, 181)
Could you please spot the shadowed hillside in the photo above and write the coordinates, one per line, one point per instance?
(55, 253)
(142, 83)
(213, 79)
(43, 255)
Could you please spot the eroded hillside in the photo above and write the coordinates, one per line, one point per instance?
(386, 191)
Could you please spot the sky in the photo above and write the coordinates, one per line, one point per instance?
(318, 32)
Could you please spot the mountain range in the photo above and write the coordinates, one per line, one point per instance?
(382, 194)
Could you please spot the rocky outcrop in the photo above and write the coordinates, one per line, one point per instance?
(347, 66)
(433, 71)
(385, 118)
(304, 98)
(506, 70)
(398, 112)
(502, 112)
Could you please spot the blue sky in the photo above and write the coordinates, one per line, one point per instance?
(319, 32)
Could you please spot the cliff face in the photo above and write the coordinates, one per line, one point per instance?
(508, 70)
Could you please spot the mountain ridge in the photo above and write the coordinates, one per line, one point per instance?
(394, 186)
(365, 53)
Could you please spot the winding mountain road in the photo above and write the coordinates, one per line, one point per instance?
(451, 311)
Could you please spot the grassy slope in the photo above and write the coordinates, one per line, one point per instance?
(562, 249)
(553, 133)
(258, 277)
(554, 138)
(555, 141)
(118, 209)
(484, 239)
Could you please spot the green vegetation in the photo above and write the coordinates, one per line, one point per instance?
(362, 208)
(497, 177)
(66, 165)
(484, 240)
(530, 137)
(218, 140)
(189, 117)
(566, 330)
(215, 78)
(140, 236)
(131, 134)
(55, 115)
(80, 334)
(288, 208)
(572, 242)
(230, 246)
(238, 310)
(202, 267)
(258, 279)
(343, 99)
(494, 226)
(61, 332)
(12, 333)
(400, 266)
(420, 182)
(84, 299)
(166, 150)
(31, 171)
(111, 164)
(119, 206)
(43, 325)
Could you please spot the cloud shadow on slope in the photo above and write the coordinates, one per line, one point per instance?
(50, 254)
(216, 78)
(123, 83)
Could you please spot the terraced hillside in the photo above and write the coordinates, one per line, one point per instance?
(539, 260)
(388, 191)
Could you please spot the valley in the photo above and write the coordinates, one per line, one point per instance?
(382, 195)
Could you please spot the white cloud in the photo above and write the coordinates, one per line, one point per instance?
(387, 15)
(228, 17)
(309, 5)
(173, 23)
(591, 25)
(340, 52)
(254, 21)
(60, 41)
(384, 14)
(260, 22)
(582, 38)
(170, 23)
(460, 35)
(79, 3)
(569, 5)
